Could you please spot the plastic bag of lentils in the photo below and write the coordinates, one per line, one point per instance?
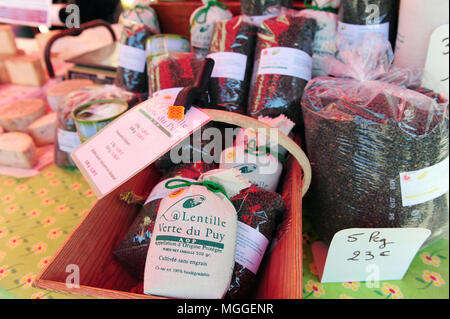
(283, 65)
(138, 24)
(132, 250)
(378, 149)
(232, 48)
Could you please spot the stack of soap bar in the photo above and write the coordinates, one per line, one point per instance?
(18, 115)
(7, 40)
(26, 70)
(17, 150)
(43, 130)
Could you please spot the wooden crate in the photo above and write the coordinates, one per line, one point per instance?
(90, 247)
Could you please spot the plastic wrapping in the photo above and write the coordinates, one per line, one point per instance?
(325, 37)
(204, 144)
(131, 72)
(202, 24)
(132, 250)
(232, 48)
(174, 70)
(263, 211)
(67, 139)
(258, 7)
(166, 43)
(283, 65)
(357, 18)
(378, 149)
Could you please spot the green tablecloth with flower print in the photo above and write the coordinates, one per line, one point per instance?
(38, 213)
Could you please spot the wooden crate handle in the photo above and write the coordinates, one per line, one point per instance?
(283, 140)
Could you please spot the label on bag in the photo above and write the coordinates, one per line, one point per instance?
(68, 141)
(368, 254)
(285, 61)
(426, 184)
(229, 65)
(250, 247)
(191, 254)
(132, 142)
(354, 33)
(132, 58)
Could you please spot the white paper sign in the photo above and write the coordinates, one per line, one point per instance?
(426, 184)
(132, 142)
(437, 66)
(372, 254)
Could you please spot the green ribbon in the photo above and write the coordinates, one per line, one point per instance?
(316, 7)
(211, 186)
(203, 12)
(253, 149)
(138, 9)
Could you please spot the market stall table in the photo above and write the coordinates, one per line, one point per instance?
(37, 214)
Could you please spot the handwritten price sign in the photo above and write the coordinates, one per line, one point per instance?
(355, 253)
(437, 60)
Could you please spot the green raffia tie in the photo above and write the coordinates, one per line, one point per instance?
(203, 12)
(316, 7)
(263, 151)
(138, 9)
(211, 186)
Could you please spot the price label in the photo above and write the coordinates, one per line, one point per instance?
(437, 62)
(363, 254)
(132, 142)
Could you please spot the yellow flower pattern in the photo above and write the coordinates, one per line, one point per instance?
(353, 285)
(35, 219)
(27, 280)
(39, 295)
(14, 241)
(391, 291)
(39, 248)
(430, 260)
(54, 233)
(433, 277)
(314, 288)
(4, 271)
(3, 232)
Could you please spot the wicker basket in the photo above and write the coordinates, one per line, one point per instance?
(91, 244)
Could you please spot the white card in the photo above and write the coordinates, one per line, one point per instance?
(437, 60)
(425, 184)
(286, 61)
(372, 254)
(229, 65)
(132, 142)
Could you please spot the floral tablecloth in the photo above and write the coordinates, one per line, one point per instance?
(37, 214)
